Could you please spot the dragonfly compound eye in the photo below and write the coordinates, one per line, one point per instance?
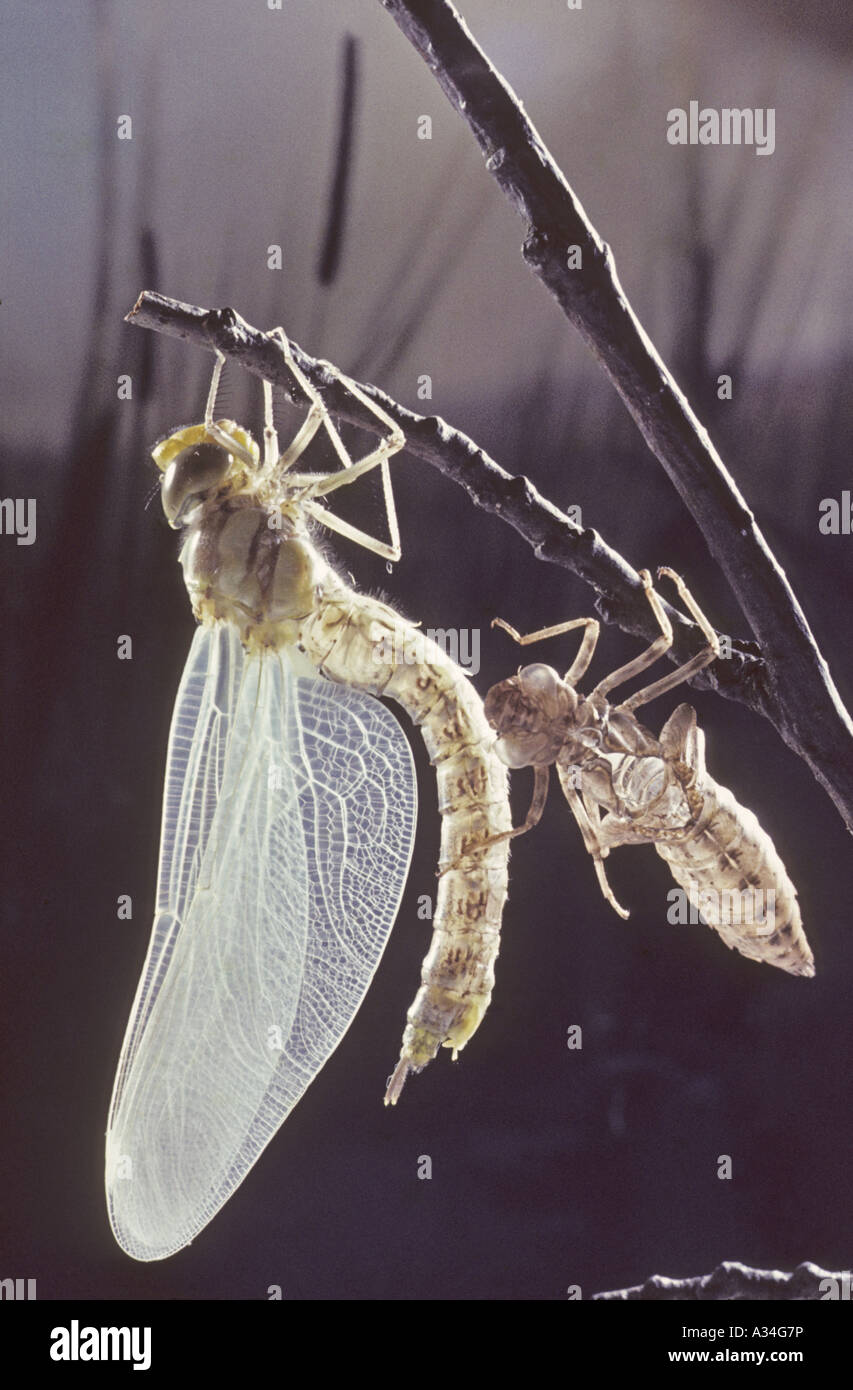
(192, 473)
(540, 681)
(544, 688)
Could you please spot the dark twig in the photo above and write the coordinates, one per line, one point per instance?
(732, 1280)
(809, 713)
(621, 600)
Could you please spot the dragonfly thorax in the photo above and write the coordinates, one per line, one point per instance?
(247, 556)
(252, 567)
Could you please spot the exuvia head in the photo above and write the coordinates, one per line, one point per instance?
(532, 713)
(196, 463)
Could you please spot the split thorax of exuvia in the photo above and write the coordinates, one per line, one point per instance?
(541, 719)
(247, 555)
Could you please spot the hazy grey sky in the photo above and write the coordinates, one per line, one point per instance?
(234, 110)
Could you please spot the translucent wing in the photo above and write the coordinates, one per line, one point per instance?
(288, 823)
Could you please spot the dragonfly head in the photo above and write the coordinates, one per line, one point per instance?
(195, 464)
(532, 713)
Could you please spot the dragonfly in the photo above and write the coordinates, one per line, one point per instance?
(625, 786)
(289, 815)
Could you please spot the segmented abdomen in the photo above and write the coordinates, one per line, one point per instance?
(732, 874)
(363, 643)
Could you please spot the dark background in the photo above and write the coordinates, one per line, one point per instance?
(550, 1167)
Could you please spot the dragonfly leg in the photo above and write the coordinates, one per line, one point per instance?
(651, 654)
(210, 404)
(592, 841)
(587, 646)
(270, 432)
(388, 550)
(273, 460)
(318, 413)
(533, 817)
(397, 1081)
(696, 663)
(214, 428)
(308, 487)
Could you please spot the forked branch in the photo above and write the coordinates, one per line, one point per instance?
(824, 742)
(808, 711)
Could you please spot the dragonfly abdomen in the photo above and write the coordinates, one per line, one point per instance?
(733, 876)
(357, 640)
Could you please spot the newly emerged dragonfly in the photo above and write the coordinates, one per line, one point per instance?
(288, 822)
(650, 790)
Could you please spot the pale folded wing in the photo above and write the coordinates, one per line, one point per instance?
(288, 824)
